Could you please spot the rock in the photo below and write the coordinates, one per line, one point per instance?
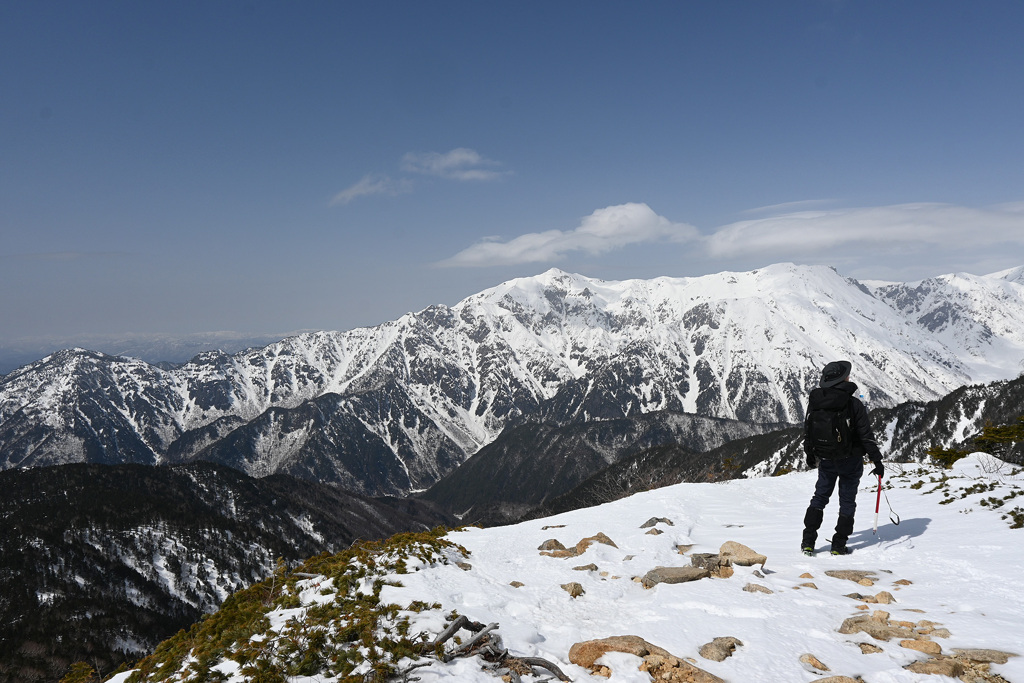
(737, 553)
(655, 532)
(585, 543)
(570, 552)
(659, 663)
(884, 598)
(720, 648)
(723, 572)
(813, 662)
(869, 649)
(709, 561)
(516, 584)
(586, 568)
(940, 666)
(940, 633)
(758, 574)
(757, 588)
(656, 520)
(683, 549)
(809, 585)
(673, 575)
(839, 679)
(464, 566)
(866, 582)
(876, 625)
(574, 589)
(855, 575)
(552, 526)
(806, 575)
(926, 646)
(551, 544)
(984, 656)
(903, 582)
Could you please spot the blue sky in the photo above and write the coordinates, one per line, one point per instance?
(266, 167)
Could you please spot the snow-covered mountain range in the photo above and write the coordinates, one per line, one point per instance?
(392, 408)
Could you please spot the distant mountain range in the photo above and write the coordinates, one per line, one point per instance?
(392, 409)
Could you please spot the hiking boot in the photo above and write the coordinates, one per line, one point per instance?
(843, 550)
(809, 552)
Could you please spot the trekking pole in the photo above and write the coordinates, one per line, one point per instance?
(878, 504)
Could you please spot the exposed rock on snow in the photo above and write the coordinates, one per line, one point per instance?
(658, 662)
(673, 575)
(737, 553)
(719, 649)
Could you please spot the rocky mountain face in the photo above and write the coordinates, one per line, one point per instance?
(530, 464)
(392, 409)
(101, 563)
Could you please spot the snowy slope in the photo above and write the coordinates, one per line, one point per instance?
(428, 390)
(950, 565)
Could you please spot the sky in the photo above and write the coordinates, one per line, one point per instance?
(265, 167)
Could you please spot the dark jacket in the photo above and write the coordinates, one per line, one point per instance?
(834, 398)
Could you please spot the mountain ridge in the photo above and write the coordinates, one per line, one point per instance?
(426, 391)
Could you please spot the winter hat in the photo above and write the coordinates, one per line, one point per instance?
(834, 373)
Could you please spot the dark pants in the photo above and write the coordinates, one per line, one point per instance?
(848, 472)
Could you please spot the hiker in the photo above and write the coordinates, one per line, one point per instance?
(837, 436)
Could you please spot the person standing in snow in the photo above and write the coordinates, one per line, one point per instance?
(837, 436)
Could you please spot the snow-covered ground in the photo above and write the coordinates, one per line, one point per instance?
(962, 560)
(952, 565)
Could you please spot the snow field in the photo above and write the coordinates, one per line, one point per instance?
(961, 558)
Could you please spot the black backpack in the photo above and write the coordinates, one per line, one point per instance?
(829, 432)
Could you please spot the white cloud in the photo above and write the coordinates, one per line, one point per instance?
(604, 230)
(943, 226)
(458, 164)
(370, 185)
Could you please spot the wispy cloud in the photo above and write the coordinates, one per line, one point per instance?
(370, 185)
(604, 230)
(819, 232)
(459, 164)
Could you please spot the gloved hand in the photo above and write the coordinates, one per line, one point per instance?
(812, 462)
(879, 470)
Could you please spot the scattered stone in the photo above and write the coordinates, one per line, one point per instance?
(655, 532)
(863, 607)
(918, 611)
(586, 567)
(737, 553)
(659, 663)
(875, 625)
(551, 544)
(984, 656)
(516, 584)
(866, 582)
(709, 561)
(854, 575)
(604, 574)
(656, 520)
(574, 589)
(806, 575)
(926, 646)
(903, 582)
(939, 666)
(869, 649)
(673, 575)
(570, 552)
(940, 633)
(683, 549)
(809, 585)
(464, 566)
(720, 648)
(758, 574)
(906, 624)
(812, 661)
(627, 558)
(839, 679)
(757, 588)
(884, 598)
(582, 546)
